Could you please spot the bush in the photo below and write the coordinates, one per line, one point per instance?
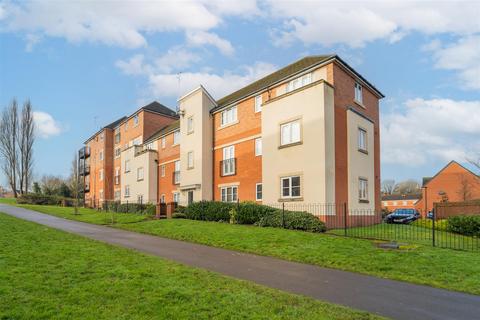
(209, 211)
(251, 212)
(295, 220)
(116, 206)
(466, 225)
(40, 199)
(181, 209)
(179, 215)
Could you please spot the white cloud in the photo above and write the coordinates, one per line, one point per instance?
(120, 23)
(201, 38)
(176, 59)
(429, 130)
(357, 23)
(32, 40)
(45, 125)
(134, 66)
(462, 56)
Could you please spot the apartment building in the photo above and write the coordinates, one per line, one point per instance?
(307, 133)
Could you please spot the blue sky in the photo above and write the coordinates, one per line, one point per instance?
(84, 64)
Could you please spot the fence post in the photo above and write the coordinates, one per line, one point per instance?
(434, 216)
(283, 215)
(345, 219)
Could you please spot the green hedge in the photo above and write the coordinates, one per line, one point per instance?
(252, 213)
(39, 199)
(465, 225)
(116, 206)
(295, 220)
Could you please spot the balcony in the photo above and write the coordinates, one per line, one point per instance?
(87, 187)
(84, 169)
(228, 167)
(84, 153)
(176, 177)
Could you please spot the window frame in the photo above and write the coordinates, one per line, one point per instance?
(229, 116)
(257, 104)
(100, 174)
(256, 191)
(176, 196)
(162, 170)
(118, 152)
(258, 150)
(136, 120)
(163, 142)
(358, 93)
(362, 132)
(176, 137)
(291, 141)
(101, 155)
(140, 169)
(190, 125)
(127, 188)
(190, 158)
(127, 165)
(224, 194)
(290, 187)
(230, 165)
(363, 196)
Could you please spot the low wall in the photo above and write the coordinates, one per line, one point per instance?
(444, 210)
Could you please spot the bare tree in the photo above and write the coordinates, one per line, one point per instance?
(8, 144)
(26, 138)
(388, 186)
(74, 182)
(407, 187)
(51, 184)
(475, 163)
(465, 189)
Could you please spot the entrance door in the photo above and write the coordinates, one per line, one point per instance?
(190, 197)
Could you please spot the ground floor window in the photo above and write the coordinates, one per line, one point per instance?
(117, 195)
(229, 194)
(362, 189)
(127, 191)
(162, 198)
(176, 197)
(258, 192)
(290, 187)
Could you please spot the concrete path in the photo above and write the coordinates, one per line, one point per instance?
(395, 299)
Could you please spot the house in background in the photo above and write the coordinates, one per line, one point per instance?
(453, 183)
(400, 201)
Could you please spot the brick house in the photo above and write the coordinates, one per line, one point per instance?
(453, 183)
(400, 201)
(307, 133)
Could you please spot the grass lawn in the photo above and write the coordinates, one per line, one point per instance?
(443, 268)
(45, 274)
(419, 232)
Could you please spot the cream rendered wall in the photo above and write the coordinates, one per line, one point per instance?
(146, 187)
(314, 159)
(359, 163)
(198, 179)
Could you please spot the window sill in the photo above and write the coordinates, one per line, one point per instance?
(290, 145)
(189, 132)
(363, 151)
(175, 144)
(290, 199)
(190, 168)
(360, 104)
(363, 201)
(139, 180)
(228, 125)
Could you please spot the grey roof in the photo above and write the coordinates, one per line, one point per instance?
(115, 123)
(164, 130)
(159, 108)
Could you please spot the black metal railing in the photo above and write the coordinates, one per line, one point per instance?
(176, 177)
(84, 169)
(228, 167)
(84, 152)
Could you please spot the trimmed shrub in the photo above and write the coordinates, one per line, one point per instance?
(209, 211)
(179, 215)
(465, 225)
(181, 209)
(40, 199)
(295, 220)
(116, 206)
(251, 212)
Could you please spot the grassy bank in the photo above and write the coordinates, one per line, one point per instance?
(47, 274)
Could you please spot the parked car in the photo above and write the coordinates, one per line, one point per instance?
(403, 216)
(430, 215)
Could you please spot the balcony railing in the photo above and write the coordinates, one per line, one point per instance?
(87, 187)
(228, 167)
(84, 152)
(176, 177)
(84, 169)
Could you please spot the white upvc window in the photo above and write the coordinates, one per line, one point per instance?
(101, 195)
(290, 187)
(176, 197)
(358, 93)
(162, 198)
(127, 166)
(229, 116)
(137, 141)
(117, 175)
(229, 194)
(126, 125)
(176, 137)
(258, 147)
(299, 82)
(162, 170)
(140, 174)
(363, 189)
(100, 173)
(149, 146)
(362, 139)
(102, 136)
(127, 191)
(190, 124)
(190, 160)
(118, 152)
(258, 103)
(101, 155)
(164, 140)
(290, 132)
(228, 164)
(258, 192)
(116, 195)
(176, 173)
(135, 120)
